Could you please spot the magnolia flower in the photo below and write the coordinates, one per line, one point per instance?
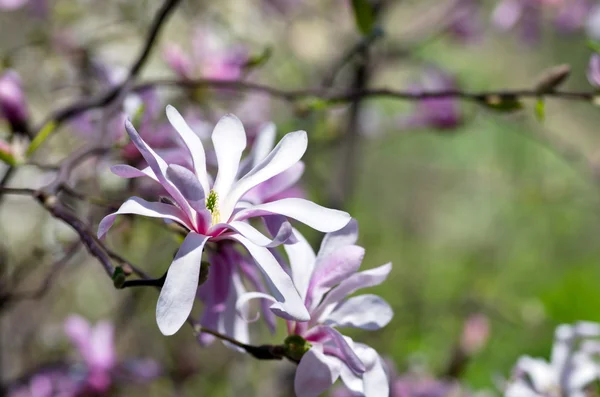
(324, 281)
(210, 58)
(13, 105)
(568, 373)
(212, 211)
(439, 113)
(96, 346)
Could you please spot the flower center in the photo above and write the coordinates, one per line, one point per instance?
(212, 205)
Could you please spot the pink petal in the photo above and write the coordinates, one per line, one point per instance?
(316, 373)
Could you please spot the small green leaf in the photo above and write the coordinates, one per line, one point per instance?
(502, 103)
(540, 110)
(7, 158)
(594, 46)
(364, 15)
(259, 59)
(41, 137)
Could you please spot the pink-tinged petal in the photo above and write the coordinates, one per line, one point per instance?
(375, 379)
(177, 60)
(367, 278)
(229, 141)
(279, 227)
(302, 261)
(332, 270)
(231, 323)
(251, 273)
(252, 234)
(189, 186)
(368, 312)
(507, 13)
(12, 4)
(348, 235)
(289, 304)
(243, 300)
(288, 152)
(127, 171)
(271, 189)
(349, 356)
(313, 215)
(139, 206)
(177, 295)
(316, 373)
(79, 331)
(103, 355)
(158, 166)
(193, 143)
(263, 144)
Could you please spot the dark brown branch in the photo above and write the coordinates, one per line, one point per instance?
(46, 284)
(119, 90)
(338, 96)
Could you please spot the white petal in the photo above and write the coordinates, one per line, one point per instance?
(229, 141)
(127, 171)
(375, 380)
(193, 143)
(348, 355)
(288, 152)
(316, 373)
(177, 295)
(541, 373)
(251, 233)
(289, 304)
(302, 261)
(368, 312)
(263, 144)
(348, 235)
(367, 278)
(232, 324)
(139, 206)
(319, 218)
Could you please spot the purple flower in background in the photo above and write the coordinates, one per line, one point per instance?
(96, 347)
(572, 15)
(324, 282)
(215, 211)
(210, 58)
(570, 370)
(593, 72)
(13, 105)
(37, 7)
(465, 22)
(439, 113)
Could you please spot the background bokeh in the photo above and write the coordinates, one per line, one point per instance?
(496, 215)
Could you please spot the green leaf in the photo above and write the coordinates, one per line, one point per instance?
(594, 46)
(41, 137)
(364, 15)
(8, 158)
(540, 110)
(502, 103)
(259, 59)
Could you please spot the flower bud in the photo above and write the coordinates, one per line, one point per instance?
(13, 105)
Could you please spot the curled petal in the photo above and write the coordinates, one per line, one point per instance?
(289, 305)
(302, 261)
(179, 291)
(348, 354)
(127, 171)
(252, 234)
(139, 206)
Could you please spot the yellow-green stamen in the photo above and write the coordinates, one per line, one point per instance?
(212, 205)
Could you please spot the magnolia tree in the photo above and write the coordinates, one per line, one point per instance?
(188, 125)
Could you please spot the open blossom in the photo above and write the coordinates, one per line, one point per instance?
(96, 347)
(571, 368)
(214, 211)
(324, 282)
